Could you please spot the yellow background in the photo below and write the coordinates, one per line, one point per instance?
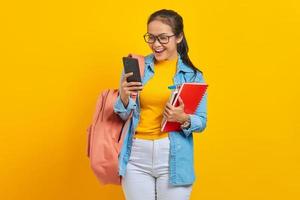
(56, 56)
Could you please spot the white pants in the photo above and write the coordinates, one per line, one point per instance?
(147, 173)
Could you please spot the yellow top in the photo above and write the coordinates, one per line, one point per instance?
(153, 99)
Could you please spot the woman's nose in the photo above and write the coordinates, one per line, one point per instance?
(156, 43)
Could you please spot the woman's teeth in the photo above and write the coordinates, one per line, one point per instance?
(159, 51)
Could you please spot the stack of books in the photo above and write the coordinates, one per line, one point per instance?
(191, 95)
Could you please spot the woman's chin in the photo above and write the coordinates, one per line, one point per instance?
(160, 56)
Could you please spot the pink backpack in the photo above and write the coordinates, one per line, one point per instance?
(106, 135)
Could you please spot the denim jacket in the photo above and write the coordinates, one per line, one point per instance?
(181, 166)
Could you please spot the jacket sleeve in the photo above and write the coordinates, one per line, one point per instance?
(119, 107)
(199, 118)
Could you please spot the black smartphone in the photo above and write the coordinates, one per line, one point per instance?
(132, 65)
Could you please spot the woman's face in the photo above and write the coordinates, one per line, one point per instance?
(163, 51)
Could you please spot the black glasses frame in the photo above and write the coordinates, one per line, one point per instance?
(157, 38)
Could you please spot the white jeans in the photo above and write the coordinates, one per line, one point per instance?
(147, 173)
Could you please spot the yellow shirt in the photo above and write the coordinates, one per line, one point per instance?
(153, 99)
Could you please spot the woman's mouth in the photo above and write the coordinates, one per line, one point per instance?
(159, 51)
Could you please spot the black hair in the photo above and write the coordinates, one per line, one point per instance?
(175, 21)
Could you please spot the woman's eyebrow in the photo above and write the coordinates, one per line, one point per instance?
(158, 34)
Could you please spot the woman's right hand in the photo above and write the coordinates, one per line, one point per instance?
(128, 88)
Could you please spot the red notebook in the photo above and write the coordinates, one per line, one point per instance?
(191, 95)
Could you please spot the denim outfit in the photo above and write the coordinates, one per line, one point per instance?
(181, 156)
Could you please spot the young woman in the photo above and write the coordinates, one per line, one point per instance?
(154, 164)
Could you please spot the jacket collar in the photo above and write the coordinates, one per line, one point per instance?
(149, 61)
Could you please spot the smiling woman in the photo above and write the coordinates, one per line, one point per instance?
(160, 40)
(149, 171)
(162, 26)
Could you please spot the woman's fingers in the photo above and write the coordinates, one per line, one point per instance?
(124, 80)
(126, 84)
(128, 88)
(169, 106)
(166, 115)
(133, 84)
(126, 76)
(134, 88)
(168, 111)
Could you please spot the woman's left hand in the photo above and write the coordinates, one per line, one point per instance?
(175, 114)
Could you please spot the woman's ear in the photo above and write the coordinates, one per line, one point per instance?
(179, 38)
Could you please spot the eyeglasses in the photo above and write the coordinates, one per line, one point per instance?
(162, 38)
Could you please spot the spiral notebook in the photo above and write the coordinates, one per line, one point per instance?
(191, 95)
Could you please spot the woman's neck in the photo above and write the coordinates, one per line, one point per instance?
(166, 60)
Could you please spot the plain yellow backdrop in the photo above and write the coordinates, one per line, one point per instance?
(57, 56)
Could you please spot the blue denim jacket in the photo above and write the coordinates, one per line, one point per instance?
(181, 166)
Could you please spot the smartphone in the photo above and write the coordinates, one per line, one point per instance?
(132, 65)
